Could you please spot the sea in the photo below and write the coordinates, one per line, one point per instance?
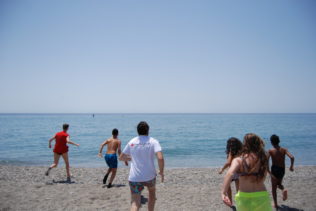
(187, 140)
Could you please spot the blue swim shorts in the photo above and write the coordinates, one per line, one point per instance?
(111, 160)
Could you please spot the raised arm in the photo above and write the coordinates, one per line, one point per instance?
(50, 142)
(292, 159)
(227, 180)
(227, 164)
(101, 148)
(70, 142)
(161, 164)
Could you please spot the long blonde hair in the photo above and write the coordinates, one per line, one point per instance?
(254, 144)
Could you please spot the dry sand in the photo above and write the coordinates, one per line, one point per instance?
(26, 188)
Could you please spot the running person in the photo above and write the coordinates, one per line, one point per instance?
(233, 150)
(142, 151)
(252, 167)
(277, 155)
(113, 146)
(61, 149)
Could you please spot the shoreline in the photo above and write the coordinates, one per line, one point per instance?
(125, 167)
(26, 188)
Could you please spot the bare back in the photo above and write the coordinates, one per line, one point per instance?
(278, 156)
(249, 183)
(112, 145)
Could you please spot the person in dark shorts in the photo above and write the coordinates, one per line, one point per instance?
(61, 149)
(277, 155)
(113, 146)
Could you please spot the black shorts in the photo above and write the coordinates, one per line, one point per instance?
(278, 171)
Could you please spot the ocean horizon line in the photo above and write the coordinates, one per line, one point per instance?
(147, 113)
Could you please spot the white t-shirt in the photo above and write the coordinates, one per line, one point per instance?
(142, 150)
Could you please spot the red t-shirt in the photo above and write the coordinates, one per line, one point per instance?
(61, 142)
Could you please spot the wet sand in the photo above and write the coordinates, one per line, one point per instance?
(27, 188)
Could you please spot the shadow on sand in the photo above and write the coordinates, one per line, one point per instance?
(114, 186)
(287, 208)
(143, 200)
(63, 182)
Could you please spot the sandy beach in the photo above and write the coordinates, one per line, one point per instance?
(26, 188)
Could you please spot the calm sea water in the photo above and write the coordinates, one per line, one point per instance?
(188, 140)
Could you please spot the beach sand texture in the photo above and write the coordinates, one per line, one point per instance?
(26, 188)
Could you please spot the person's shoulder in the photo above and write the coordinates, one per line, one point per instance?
(237, 159)
(153, 140)
(283, 149)
(65, 133)
(133, 140)
(62, 133)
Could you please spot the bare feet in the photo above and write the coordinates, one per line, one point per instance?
(284, 194)
(275, 206)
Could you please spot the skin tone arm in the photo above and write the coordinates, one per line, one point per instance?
(227, 164)
(268, 169)
(50, 142)
(119, 151)
(70, 142)
(101, 148)
(227, 180)
(124, 157)
(161, 164)
(292, 159)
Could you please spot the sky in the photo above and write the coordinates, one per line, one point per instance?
(157, 56)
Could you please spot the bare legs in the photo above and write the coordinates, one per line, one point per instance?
(55, 164)
(113, 171)
(65, 157)
(56, 160)
(276, 183)
(151, 198)
(113, 175)
(106, 175)
(136, 200)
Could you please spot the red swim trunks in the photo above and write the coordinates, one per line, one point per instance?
(61, 143)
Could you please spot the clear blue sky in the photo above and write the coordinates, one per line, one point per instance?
(157, 56)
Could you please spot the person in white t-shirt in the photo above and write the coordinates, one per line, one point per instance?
(141, 151)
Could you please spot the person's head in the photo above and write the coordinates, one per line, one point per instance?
(65, 127)
(275, 140)
(115, 132)
(233, 147)
(143, 128)
(254, 144)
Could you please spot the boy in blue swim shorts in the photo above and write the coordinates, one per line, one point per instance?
(113, 146)
(111, 160)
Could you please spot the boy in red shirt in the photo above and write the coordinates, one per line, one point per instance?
(61, 149)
